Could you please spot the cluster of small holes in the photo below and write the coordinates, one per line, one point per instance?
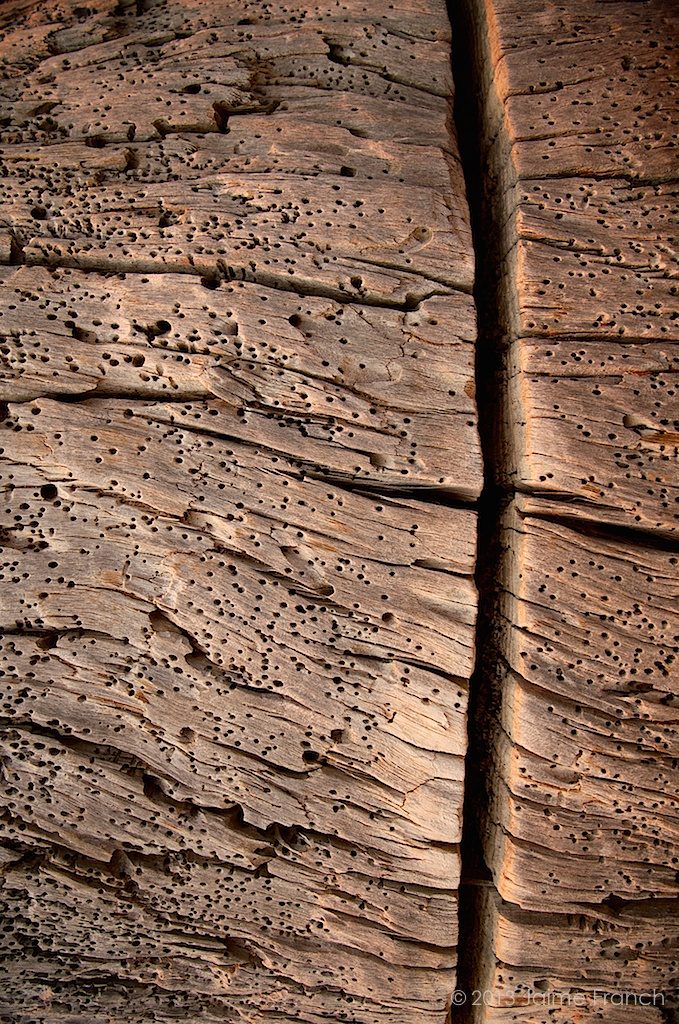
(84, 338)
(624, 427)
(611, 115)
(614, 275)
(607, 652)
(176, 569)
(243, 621)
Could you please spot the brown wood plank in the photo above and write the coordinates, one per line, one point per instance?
(596, 274)
(579, 119)
(360, 394)
(239, 453)
(588, 90)
(307, 236)
(589, 711)
(597, 257)
(605, 437)
(580, 827)
(581, 831)
(558, 968)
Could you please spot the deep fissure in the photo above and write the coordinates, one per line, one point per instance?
(489, 172)
(484, 691)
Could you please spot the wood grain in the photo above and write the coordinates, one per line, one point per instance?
(579, 829)
(239, 453)
(556, 967)
(240, 467)
(590, 716)
(579, 148)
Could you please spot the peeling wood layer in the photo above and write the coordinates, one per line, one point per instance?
(239, 454)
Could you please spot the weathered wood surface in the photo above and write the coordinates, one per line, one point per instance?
(239, 454)
(588, 710)
(566, 968)
(240, 458)
(581, 830)
(377, 396)
(591, 251)
(581, 120)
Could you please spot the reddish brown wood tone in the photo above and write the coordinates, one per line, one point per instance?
(240, 455)
(241, 476)
(580, 835)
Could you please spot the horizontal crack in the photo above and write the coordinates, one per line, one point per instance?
(639, 534)
(212, 278)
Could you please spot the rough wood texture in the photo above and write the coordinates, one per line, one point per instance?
(589, 714)
(238, 607)
(591, 253)
(555, 968)
(580, 830)
(240, 464)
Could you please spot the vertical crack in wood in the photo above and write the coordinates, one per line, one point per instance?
(507, 855)
(486, 182)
